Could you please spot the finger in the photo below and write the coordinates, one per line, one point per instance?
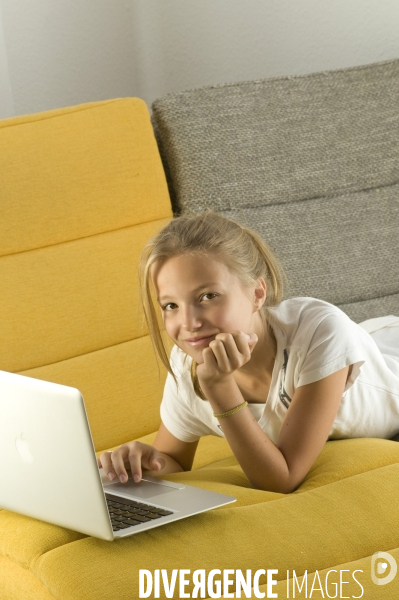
(212, 358)
(137, 460)
(253, 341)
(157, 462)
(236, 345)
(118, 458)
(225, 351)
(161, 462)
(209, 358)
(135, 465)
(106, 464)
(245, 342)
(152, 459)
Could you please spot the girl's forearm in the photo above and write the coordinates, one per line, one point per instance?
(261, 461)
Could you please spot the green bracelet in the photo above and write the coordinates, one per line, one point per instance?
(232, 411)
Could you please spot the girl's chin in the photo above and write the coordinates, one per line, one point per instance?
(195, 353)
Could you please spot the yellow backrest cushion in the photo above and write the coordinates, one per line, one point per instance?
(82, 190)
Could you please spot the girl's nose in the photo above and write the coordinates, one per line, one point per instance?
(190, 318)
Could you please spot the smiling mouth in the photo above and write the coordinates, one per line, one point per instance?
(199, 341)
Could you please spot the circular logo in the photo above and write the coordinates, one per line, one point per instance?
(383, 563)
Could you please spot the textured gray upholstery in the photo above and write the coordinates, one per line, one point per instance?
(309, 162)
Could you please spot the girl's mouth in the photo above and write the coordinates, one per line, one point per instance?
(199, 341)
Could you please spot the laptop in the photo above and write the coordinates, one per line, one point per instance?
(49, 468)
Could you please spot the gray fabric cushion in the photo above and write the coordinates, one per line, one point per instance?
(309, 162)
(343, 249)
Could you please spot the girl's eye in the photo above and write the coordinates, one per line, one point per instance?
(164, 307)
(173, 304)
(210, 294)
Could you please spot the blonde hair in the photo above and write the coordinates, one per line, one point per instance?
(204, 233)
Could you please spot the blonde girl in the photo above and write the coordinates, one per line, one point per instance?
(276, 378)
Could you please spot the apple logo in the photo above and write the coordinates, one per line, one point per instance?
(23, 449)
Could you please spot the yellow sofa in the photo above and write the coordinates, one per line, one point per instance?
(81, 190)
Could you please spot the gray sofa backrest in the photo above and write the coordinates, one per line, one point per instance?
(309, 162)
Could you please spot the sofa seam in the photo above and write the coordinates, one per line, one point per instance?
(348, 476)
(349, 192)
(368, 299)
(84, 237)
(22, 371)
(283, 496)
(27, 568)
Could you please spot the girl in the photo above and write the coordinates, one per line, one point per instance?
(276, 378)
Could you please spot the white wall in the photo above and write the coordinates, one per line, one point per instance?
(189, 43)
(65, 52)
(6, 102)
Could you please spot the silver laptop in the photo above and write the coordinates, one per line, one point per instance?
(49, 468)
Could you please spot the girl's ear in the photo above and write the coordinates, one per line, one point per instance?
(260, 293)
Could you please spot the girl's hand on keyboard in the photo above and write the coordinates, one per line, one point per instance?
(133, 456)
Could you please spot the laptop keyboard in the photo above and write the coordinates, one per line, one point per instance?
(126, 513)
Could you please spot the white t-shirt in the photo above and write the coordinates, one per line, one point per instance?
(314, 339)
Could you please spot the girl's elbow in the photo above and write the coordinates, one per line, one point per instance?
(286, 485)
(294, 484)
(274, 489)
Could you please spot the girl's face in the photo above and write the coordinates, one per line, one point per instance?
(199, 298)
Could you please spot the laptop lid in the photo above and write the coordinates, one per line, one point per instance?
(48, 456)
(50, 469)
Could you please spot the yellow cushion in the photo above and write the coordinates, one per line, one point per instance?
(17, 582)
(83, 189)
(74, 172)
